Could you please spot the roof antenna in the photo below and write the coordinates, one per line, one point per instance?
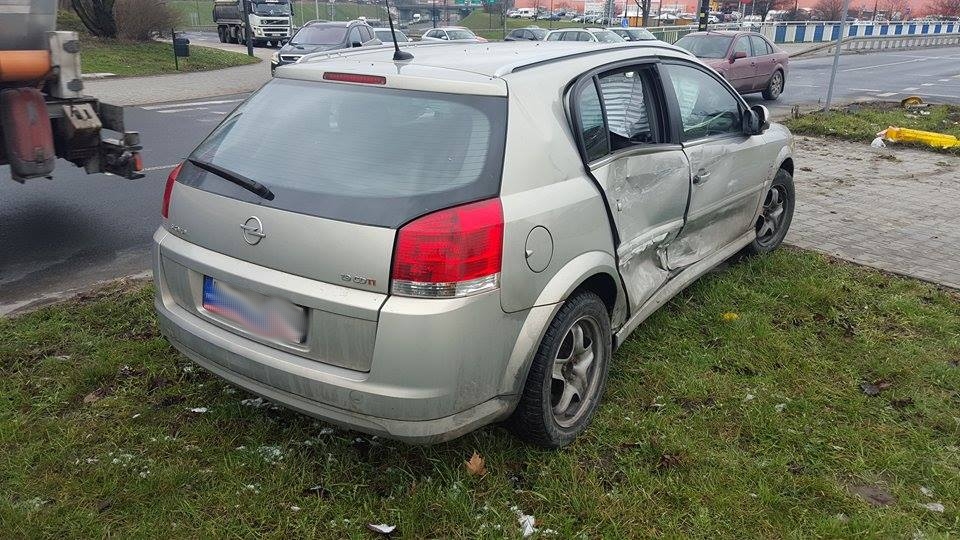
(398, 55)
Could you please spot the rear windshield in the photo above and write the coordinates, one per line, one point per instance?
(460, 34)
(705, 46)
(319, 35)
(370, 155)
(606, 36)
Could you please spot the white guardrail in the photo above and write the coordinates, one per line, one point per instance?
(823, 31)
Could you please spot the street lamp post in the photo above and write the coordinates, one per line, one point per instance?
(246, 27)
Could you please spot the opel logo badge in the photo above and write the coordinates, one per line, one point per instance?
(252, 230)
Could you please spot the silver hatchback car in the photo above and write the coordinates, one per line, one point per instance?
(416, 249)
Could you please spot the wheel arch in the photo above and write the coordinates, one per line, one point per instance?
(595, 271)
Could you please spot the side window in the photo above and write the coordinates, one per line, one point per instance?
(584, 36)
(554, 36)
(432, 33)
(593, 131)
(366, 34)
(442, 34)
(760, 46)
(707, 108)
(355, 35)
(628, 101)
(742, 45)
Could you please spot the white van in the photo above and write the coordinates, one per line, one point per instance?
(527, 13)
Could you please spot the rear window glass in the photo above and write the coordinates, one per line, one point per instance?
(370, 155)
(460, 34)
(319, 35)
(705, 46)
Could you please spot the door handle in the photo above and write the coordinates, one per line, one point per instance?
(700, 177)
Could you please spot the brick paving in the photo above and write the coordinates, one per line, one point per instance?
(896, 209)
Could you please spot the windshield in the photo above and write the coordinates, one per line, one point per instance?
(320, 35)
(270, 8)
(705, 46)
(371, 155)
(538, 32)
(606, 36)
(461, 34)
(384, 36)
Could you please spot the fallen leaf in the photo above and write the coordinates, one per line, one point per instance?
(779, 407)
(476, 465)
(669, 461)
(96, 395)
(873, 495)
(198, 410)
(926, 491)
(869, 389)
(382, 528)
(901, 403)
(730, 316)
(933, 507)
(527, 522)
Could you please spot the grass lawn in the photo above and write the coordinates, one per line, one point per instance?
(488, 26)
(862, 122)
(741, 409)
(130, 59)
(200, 12)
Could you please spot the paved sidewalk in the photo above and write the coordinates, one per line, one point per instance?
(896, 209)
(184, 86)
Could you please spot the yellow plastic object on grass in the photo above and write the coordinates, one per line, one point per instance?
(936, 140)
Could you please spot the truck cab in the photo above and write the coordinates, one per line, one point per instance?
(271, 21)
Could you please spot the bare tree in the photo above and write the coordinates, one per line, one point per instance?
(830, 10)
(141, 20)
(948, 8)
(763, 7)
(893, 7)
(97, 16)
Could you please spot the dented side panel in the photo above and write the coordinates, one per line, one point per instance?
(647, 192)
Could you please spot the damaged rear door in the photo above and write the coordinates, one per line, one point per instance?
(621, 118)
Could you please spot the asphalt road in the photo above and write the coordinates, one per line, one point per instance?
(63, 235)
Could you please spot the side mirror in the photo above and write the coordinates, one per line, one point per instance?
(756, 120)
(737, 55)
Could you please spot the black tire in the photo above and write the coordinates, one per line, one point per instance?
(222, 34)
(775, 86)
(535, 419)
(768, 240)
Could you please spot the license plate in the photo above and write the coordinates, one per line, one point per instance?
(266, 316)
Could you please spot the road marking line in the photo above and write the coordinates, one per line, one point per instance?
(944, 80)
(863, 89)
(191, 104)
(885, 65)
(182, 110)
(910, 89)
(953, 96)
(887, 94)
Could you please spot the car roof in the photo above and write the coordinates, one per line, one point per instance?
(329, 23)
(385, 29)
(730, 33)
(475, 61)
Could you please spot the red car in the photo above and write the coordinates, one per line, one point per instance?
(746, 59)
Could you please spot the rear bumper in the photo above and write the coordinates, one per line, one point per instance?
(217, 355)
(441, 368)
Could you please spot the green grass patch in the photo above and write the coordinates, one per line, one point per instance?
(753, 425)
(200, 12)
(135, 58)
(862, 122)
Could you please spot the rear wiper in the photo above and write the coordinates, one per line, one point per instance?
(240, 180)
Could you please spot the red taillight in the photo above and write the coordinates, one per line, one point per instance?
(449, 253)
(354, 78)
(168, 190)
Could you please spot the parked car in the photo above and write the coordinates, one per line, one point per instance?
(633, 34)
(747, 59)
(530, 33)
(316, 36)
(595, 35)
(452, 33)
(384, 35)
(458, 279)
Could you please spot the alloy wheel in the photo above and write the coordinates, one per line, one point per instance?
(771, 217)
(776, 84)
(574, 371)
